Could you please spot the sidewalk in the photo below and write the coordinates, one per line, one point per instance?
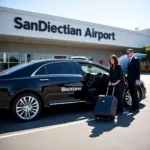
(145, 73)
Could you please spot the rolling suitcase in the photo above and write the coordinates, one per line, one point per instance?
(106, 106)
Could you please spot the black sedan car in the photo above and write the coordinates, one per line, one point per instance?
(27, 88)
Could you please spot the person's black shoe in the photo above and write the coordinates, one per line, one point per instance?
(119, 113)
(131, 110)
(136, 111)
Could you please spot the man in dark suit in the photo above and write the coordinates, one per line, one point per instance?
(133, 78)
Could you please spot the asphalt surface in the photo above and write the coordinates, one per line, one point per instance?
(73, 127)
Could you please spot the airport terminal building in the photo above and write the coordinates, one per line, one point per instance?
(28, 36)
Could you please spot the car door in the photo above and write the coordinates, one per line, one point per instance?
(101, 76)
(63, 82)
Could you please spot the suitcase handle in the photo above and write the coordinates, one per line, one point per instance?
(108, 90)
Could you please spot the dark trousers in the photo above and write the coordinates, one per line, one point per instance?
(119, 95)
(134, 95)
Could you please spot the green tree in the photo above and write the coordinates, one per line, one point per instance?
(13, 59)
(146, 59)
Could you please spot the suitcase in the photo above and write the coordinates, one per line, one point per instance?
(106, 106)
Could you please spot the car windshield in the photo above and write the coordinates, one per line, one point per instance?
(15, 68)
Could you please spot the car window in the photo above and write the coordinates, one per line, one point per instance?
(41, 71)
(16, 68)
(88, 68)
(1, 67)
(61, 68)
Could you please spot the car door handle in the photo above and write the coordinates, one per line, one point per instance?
(44, 79)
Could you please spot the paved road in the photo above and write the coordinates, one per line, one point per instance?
(73, 127)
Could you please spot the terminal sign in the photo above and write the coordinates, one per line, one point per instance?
(42, 26)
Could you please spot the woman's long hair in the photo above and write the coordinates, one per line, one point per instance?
(115, 58)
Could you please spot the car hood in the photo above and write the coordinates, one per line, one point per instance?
(124, 60)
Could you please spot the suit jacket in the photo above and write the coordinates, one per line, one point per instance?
(134, 70)
(115, 74)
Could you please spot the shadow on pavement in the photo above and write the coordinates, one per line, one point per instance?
(102, 126)
(63, 114)
(142, 106)
(51, 116)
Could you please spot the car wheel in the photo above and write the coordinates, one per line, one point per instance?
(26, 106)
(128, 98)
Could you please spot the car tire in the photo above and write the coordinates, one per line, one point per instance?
(128, 98)
(26, 107)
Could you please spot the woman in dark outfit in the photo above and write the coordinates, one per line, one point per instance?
(115, 78)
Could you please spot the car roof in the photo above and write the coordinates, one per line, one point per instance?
(71, 60)
(57, 60)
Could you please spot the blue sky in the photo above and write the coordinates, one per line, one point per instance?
(127, 14)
